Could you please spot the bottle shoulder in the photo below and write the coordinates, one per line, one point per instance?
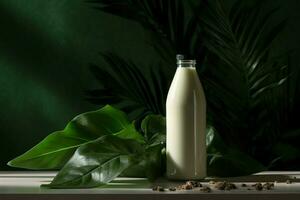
(187, 80)
(186, 87)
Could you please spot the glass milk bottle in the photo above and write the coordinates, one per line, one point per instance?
(186, 124)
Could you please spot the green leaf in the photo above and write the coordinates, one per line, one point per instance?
(154, 162)
(226, 161)
(214, 143)
(151, 164)
(98, 162)
(233, 163)
(287, 152)
(54, 151)
(154, 126)
(50, 153)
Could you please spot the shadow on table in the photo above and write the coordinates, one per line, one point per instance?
(129, 183)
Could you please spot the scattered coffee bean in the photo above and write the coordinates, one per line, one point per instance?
(230, 186)
(268, 186)
(192, 183)
(187, 187)
(265, 186)
(220, 185)
(258, 186)
(223, 185)
(158, 188)
(205, 189)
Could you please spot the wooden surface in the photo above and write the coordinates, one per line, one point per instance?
(26, 185)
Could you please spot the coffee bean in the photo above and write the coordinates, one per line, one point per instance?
(258, 186)
(268, 186)
(220, 185)
(205, 189)
(223, 185)
(192, 183)
(187, 187)
(158, 188)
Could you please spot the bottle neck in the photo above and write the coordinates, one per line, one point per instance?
(186, 63)
(185, 66)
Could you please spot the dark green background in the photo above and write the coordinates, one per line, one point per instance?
(45, 48)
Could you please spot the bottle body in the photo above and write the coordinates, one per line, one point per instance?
(186, 126)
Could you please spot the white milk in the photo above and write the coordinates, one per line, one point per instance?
(186, 124)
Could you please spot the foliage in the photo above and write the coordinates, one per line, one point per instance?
(56, 149)
(97, 162)
(127, 87)
(248, 130)
(243, 79)
(121, 150)
(169, 21)
(109, 145)
(247, 88)
(172, 30)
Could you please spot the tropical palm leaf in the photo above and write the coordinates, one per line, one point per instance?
(173, 31)
(172, 26)
(126, 86)
(241, 74)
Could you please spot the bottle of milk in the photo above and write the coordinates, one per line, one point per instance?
(186, 124)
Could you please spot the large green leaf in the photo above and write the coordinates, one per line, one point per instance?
(58, 147)
(98, 162)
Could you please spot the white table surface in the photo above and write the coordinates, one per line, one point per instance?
(26, 185)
